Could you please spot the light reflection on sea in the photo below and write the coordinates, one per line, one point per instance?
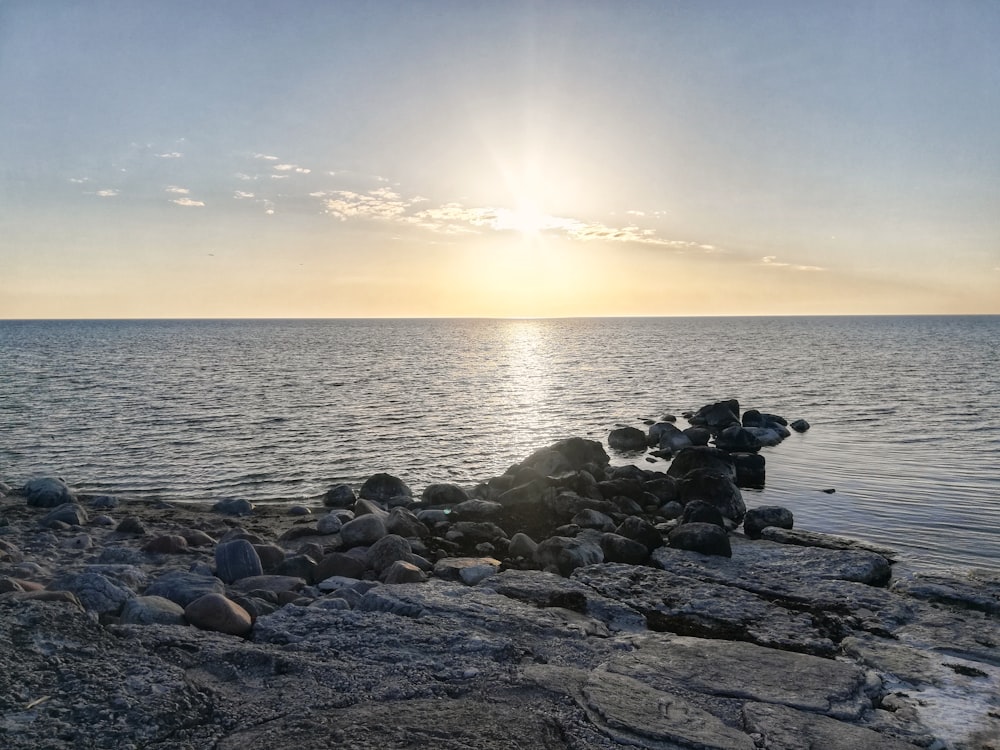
(905, 411)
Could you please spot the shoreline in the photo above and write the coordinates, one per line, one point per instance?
(395, 621)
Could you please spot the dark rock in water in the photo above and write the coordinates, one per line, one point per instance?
(363, 531)
(627, 439)
(706, 538)
(566, 554)
(715, 489)
(702, 457)
(698, 435)
(758, 519)
(443, 493)
(698, 511)
(620, 549)
(216, 612)
(717, 416)
(237, 559)
(68, 513)
(672, 438)
(339, 496)
(800, 425)
(737, 439)
(766, 436)
(182, 587)
(234, 507)
(750, 469)
(663, 488)
(47, 492)
(580, 453)
(544, 462)
(383, 487)
(752, 418)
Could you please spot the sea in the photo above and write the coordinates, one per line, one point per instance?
(903, 450)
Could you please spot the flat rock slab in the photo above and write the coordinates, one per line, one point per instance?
(743, 671)
(789, 729)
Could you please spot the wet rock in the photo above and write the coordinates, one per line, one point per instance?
(717, 416)
(706, 538)
(800, 425)
(443, 493)
(792, 729)
(737, 439)
(47, 492)
(825, 541)
(698, 511)
(363, 531)
(234, 507)
(237, 559)
(751, 470)
(617, 548)
(476, 510)
(152, 610)
(566, 554)
(339, 496)
(383, 487)
(218, 613)
(759, 518)
(627, 439)
(702, 457)
(715, 489)
(673, 439)
(72, 514)
(329, 524)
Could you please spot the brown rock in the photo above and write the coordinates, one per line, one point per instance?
(216, 612)
(167, 544)
(404, 572)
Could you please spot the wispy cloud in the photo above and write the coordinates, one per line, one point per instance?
(292, 168)
(79, 180)
(170, 155)
(177, 190)
(188, 202)
(109, 193)
(771, 261)
(266, 157)
(241, 195)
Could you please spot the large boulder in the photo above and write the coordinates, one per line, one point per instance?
(627, 439)
(339, 496)
(566, 554)
(363, 531)
(672, 438)
(702, 457)
(383, 487)
(717, 416)
(715, 489)
(237, 559)
(758, 519)
(706, 538)
(443, 494)
(47, 492)
(737, 439)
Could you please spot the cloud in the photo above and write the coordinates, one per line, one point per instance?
(79, 180)
(240, 195)
(266, 157)
(292, 168)
(377, 204)
(187, 202)
(772, 262)
(245, 177)
(170, 155)
(177, 190)
(636, 213)
(109, 193)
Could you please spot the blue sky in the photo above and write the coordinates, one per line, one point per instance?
(183, 159)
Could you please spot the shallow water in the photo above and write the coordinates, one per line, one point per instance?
(905, 410)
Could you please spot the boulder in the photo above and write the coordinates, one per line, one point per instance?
(671, 438)
(234, 507)
(566, 554)
(383, 487)
(750, 469)
(698, 511)
(405, 523)
(620, 549)
(363, 531)
(337, 564)
(737, 439)
(339, 496)
(387, 550)
(329, 524)
(72, 514)
(468, 570)
(237, 559)
(476, 510)
(443, 493)
(152, 610)
(706, 538)
(404, 572)
(218, 613)
(627, 439)
(47, 492)
(698, 435)
(182, 587)
(800, 425)
(95, 591)
(717, 416)
(702, 457)
(758, 519)
(521, 545)
(593, 519)
(715, 489)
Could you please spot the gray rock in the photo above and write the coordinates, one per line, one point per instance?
(736, 438)
(522, 545)
(443, 494)
(791, 729)
(759, 518)
(825, 541)
(617, 548)
(702, 457)
(329, 524)
(182, 587)
(383, 487)
(152, 610)
(468, 570)
(751, 470)
(234, 507)
(96, 592)
(339, 564)
(588, 518)
(131, 525)
(339, 496)
(363, 531)
(47, 492)
(68, 513)
(566, 554)
(476, 510)
(405, 523)
(627, 439)
(800, 425)
(706, 538)
(275, 584)
(715, 489)
(237, 559)
(387, 550)
(698, 511)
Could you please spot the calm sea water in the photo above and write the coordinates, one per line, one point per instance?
(905, 410)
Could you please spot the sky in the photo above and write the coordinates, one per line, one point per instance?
(481, 159)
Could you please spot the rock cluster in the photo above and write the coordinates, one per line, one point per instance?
(565, 603)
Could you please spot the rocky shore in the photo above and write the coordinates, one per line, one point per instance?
(566, 603)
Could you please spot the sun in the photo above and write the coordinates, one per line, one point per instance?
(527, 218)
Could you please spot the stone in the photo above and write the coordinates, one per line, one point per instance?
(476, 510)
(566, 554)
(366, 507)
(589, 518)
(68, 513)
(182, 587)
(706, 538)
(737, 439)
(715, 489)
(443, 493)
(387, 550)
(698, 511)
(641, 531)
(275, 584)
(152, 610)
(826, 541)
(166, 544)
(800, 425)
(131, 525)
(617, 548)
(271, 556)
(717, 416)
(759, 518)
(626, 439)
(80, 541)
(218, 613)
(383, 487)
(297, 566)
(702, 457)
(662, 487)
(339, 496)
(299, 510)
(10, 552)
(197, 538)
(329, 524)
(522, 545)
(404, 572)
(405, 523)
(363, 531)
(673, 439)
(234, 507)
(96, 592)
(750, 469)
(468, 570)
(237, 559)
(792, 729)
(337, 564)
(47, 492)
